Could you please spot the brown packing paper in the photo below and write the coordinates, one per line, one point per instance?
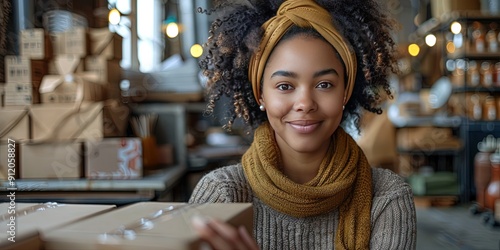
(113, 158)
(149, 225)
(69, 84)
(58, 121)
(14, 123)
(34, 219)
(105, 43)
(62, 160)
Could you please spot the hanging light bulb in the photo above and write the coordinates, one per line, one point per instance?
(172, 30)
(114, 16)
(413, 49)
(456, 28)
(430, 40)
(196, 50)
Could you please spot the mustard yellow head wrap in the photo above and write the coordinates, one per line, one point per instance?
(303, 13)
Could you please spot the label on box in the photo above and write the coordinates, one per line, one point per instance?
(18, 94)
(32, 43)
(17, 69)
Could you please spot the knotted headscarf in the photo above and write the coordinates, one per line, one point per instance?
(303, 13)
(343, 181)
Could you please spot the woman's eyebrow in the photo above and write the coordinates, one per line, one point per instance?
(326, 72)
(294, 75)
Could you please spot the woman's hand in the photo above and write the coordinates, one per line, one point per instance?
(221, 236)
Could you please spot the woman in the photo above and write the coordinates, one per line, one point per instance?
(295, 71)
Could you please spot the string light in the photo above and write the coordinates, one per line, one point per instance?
(114, 16)
(413, 49)
(196, 50)
(430, 40)
(456, 28)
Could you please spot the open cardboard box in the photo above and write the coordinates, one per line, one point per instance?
(33, 219)
(146, 226)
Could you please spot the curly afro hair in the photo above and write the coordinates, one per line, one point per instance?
(235, 35)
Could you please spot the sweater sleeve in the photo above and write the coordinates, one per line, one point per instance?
(223, 185)
(393, 211)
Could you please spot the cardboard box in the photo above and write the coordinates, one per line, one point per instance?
(35, 44)
(105, 43)
(14, 123)
(148, 225)
(61, 160)
(109, 73)
(17, 69)
(113, 158)
(34, 219)
(69, 85)
(58, 121)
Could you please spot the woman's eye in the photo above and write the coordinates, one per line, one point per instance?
(284, 87)
(324, 85)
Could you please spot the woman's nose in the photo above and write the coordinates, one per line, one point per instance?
(305, 101)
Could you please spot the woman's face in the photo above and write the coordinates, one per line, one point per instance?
(303, 93)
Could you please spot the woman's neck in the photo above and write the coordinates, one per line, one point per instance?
(301, 167)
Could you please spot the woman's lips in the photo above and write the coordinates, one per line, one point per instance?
(304, 127)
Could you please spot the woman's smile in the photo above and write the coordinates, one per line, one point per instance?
(304, 126)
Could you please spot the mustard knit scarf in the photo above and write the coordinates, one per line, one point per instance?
(343, 181)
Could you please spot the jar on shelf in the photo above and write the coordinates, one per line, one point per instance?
(478, 37)
(474, 78)
(493, 189)
(491, 38)
(476, 109)
(486, 74)
(496, 75)
(482, 168)
(490, 109)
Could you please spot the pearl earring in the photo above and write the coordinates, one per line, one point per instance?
(262, 108)
(343, 107)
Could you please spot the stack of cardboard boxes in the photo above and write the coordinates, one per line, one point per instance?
(62, 107)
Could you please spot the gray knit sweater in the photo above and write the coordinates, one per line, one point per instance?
(393, 217)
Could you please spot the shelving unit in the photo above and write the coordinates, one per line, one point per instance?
(458, 64)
